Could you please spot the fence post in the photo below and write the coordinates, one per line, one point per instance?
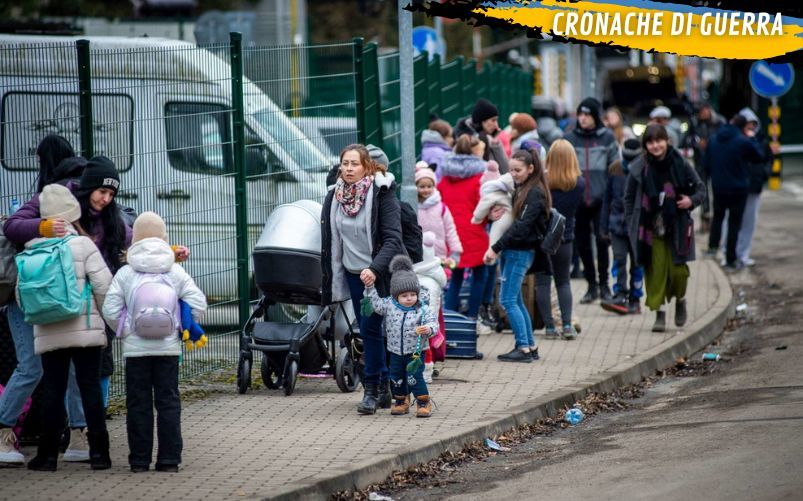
(85, 98)
(359, 91)
(240, 177)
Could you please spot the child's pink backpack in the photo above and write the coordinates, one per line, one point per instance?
(17, 429)
(154, 308)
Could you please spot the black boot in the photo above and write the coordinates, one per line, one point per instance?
(47, 454)
(369, 399)
(590, 296)
(385, 398)
(680, 312)
(660, 322)
(605, 292)
(99, 450)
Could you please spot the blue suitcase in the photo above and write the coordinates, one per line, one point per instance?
(461, 336)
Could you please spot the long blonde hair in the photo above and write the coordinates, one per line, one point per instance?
(562, 166)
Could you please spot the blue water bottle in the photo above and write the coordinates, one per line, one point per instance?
(574, 416)
(14, 206)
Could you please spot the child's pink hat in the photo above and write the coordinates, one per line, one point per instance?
(422, 171)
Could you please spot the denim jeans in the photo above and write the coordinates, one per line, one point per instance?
(376, 370)
(56, 365)
(28, 371)
(153, 381)
(402, 383)
(452, 300)
(516, 264)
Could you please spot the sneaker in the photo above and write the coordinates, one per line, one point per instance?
(139, 468)
(712, 253)
(733, 267)
(616, 304)
(605, 293)
(550, 332)
(78, 450)
(429, 368)
(516, 356)
(569, 332)
(482, 329)
(534, 354)
(634, 306)
(591, 295)
(749, 261)
(9, 455)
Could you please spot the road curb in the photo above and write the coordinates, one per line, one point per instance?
(378, 468)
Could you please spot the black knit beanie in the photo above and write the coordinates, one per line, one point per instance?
(99, 172)
(483, 110)
(592, 107)
(402, 276)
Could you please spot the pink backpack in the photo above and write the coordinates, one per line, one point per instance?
(154, 308)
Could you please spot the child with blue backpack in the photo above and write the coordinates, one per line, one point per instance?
(61, 284)
(143, 305)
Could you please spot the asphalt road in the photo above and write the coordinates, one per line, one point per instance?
(736, 433)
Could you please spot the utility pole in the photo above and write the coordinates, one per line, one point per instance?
(406, 88)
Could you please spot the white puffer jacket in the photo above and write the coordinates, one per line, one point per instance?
(150, 255)
(73, 333)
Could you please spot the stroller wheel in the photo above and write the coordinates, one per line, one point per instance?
(270, 376)
(346, 374)
(243, 375)
(290, 378)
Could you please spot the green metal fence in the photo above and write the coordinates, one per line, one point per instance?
(214, 138)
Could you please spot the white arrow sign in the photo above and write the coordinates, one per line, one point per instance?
(767, 72)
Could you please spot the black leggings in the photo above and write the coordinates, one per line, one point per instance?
(561, 269)
(587, 224)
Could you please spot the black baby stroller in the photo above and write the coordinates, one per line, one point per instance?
(287, 269)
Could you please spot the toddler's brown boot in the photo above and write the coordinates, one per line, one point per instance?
(401, 405)
(424, 406)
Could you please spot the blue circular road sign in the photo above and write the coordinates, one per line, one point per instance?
(771, 80)
(426, 39)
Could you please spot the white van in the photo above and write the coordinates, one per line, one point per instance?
(162, 113)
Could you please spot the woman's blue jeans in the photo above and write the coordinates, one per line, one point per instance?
(27, 374)
(375, 358)
(515, 264)
(452, 300)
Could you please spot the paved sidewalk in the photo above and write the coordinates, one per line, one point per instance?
(263, 443)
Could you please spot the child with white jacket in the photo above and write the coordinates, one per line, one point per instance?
(151, 369)
(492, 193)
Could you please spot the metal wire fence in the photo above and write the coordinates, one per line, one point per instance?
(214, 138)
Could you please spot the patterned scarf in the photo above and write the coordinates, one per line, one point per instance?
(351, 197)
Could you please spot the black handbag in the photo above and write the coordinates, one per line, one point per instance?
(550, 242)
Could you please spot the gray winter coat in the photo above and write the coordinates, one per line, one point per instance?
(596, 151)
(400, 322)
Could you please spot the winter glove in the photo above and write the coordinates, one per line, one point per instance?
(365, 307)
(191, 333)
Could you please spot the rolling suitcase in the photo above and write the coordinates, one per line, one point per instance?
(461, 336)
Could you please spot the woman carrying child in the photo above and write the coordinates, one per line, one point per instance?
(151, 359)
(409, 322)
(531, 207)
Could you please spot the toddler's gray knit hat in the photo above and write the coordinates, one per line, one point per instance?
(402, 278)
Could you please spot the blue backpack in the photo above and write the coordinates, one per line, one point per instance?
(47, 288)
